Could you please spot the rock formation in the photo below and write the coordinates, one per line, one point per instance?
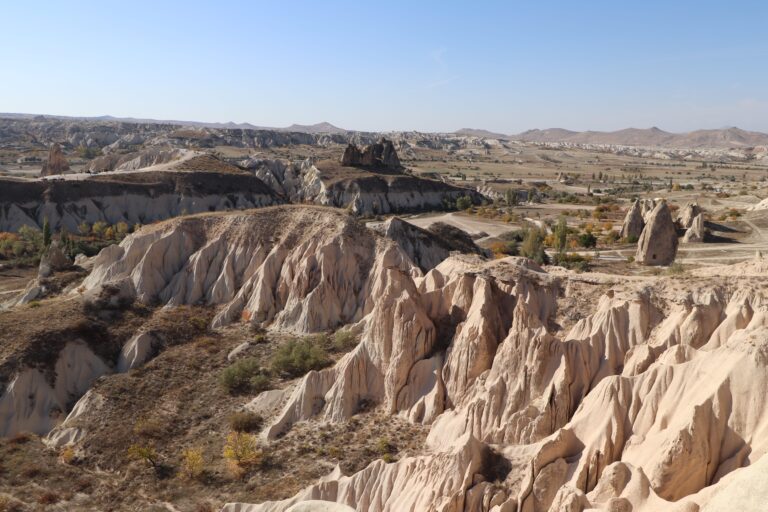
(135, 160)
(56, 163)
(688, 214)
(53, 260)
(696, 232)
(658, 242)
(427, 248)
(633, 222)
(381, 155)
(365, 193)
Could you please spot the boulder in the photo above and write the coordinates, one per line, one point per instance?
(381, 155)
(696, 232)
(658, 241)
(633, 222)
(688, 214)
(56, 164)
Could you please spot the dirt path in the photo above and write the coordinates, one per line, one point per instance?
(472, 225)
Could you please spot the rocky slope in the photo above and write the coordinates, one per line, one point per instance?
(292, 268)
(516, 398)
(540, 391)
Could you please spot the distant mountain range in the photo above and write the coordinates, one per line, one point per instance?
(717, 139)
(722, 138)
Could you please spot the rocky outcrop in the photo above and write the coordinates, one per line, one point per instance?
(427, 248)
(658, 242)
(363, 192)
(381, 155)
(135, 160)
(32, 403)
(633, 222)
(56, 163)
(300, 268)
(696, 232)
(688, 214)
(53, 260)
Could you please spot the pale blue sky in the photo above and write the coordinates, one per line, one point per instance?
(424, 65)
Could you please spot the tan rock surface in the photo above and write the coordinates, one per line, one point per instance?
(633, 221)
(696, 232)
(536, 399)
(658, 242)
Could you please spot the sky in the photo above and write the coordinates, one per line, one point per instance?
(505, 66)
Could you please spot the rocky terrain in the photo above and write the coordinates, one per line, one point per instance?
(320, 319)
(150, 185)
(491, 384)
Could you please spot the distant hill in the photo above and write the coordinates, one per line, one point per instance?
(722, 138)
(314, 128)
(472, 132)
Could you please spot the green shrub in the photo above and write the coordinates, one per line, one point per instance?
(245, 376)
(146, 453)
(561, 234)
(299, 356)
(383, 446)
(501, 249)
(344, 340)
(463, 202)
(245, 421)
(571, 261)
(676, 269)
(533, 246)
(587, 240)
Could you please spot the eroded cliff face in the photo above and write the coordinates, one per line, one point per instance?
(648, 400)
(132, 198)
(541, 392)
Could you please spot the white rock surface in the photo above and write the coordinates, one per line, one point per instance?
(136, 351)
(30, 403)
(645, 402)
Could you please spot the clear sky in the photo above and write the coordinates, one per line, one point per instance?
(437, 65)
